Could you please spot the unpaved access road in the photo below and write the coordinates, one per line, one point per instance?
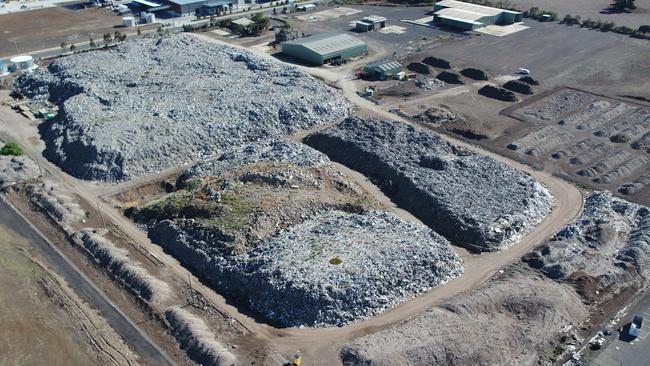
(83, 287)
(321, 345)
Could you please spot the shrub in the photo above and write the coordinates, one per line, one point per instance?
(11, 148)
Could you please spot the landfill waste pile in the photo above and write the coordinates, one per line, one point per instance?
(439, 115)
(126, 270)
(602, 252)
(56, 202)
(331, 269)
(277, 229)
(155, 103)
(195, 337)
(512, 319)
(256, 153)
(15, 169)
(436, 180)
(429, 83)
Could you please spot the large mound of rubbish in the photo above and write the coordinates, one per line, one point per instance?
(155, 103)
(470, 199)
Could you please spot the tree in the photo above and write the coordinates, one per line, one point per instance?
(72, 48)
(117, 36)
(11, 148)
(139, 31)
(91, 43)
(107, 39)
(644, 29)
(64, 45)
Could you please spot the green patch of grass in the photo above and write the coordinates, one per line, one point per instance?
(169, 207)
(336, 261)
(235, 214)
(11, 148)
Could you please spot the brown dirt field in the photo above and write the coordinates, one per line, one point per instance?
(47, 28)
(42, 321)
(594, 9)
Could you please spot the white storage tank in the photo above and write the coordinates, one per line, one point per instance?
(128, 22)
(23, 62)
(150, 18)
(4, 68)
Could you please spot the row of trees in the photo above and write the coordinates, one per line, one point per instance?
(641, 32)
(108, 40)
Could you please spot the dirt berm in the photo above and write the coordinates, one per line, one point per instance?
(472, 200)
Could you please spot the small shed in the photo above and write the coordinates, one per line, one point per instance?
(244, 22)
(383, 69)
(370, 23)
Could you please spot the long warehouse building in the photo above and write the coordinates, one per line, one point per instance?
(325, 48)
(468, 16)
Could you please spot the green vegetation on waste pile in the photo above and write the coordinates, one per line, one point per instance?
(231, 214)
(11, 148)
(236, 212)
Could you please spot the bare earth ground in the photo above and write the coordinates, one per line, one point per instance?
(46, 28)
(594, 9)
(42, 320)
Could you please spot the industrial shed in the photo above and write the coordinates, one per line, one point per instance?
(325, 48)
(383, 69)
(468, 16)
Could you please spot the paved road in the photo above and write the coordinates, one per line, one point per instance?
(83, 287)
(622, 351)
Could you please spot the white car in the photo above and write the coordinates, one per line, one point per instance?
(524, 71)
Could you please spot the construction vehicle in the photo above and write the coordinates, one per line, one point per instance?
(297, 360)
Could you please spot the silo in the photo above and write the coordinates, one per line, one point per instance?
(23, 63)
(128, 22)
(4, 68)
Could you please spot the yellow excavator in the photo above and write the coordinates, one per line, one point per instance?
(297, 360)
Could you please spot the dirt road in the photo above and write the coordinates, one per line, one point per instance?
(321, 346)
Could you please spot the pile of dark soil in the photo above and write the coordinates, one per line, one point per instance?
(440, 63)
(473, 73)
(491, 91)
(519, 87)
(418, 67)
(450, 77)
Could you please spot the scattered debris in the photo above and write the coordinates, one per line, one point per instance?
(117, 262)
(14, 169)
(197, 340)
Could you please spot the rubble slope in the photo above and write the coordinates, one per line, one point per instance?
(472, 200)
(155, 103)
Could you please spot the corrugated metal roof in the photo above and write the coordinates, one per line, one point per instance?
(244, 22)
(385, 65)
(460, 5)
(460, 14)
(327, 43)
(185, 2)
(147, 3)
